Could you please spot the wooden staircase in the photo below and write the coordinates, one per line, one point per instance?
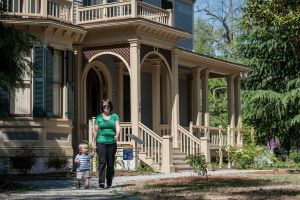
(179, 161)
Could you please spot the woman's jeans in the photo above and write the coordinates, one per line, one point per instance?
(106, 155)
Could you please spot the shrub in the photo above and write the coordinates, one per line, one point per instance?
(198, 163)
(57, 160)
(295, 156)
(24, 159)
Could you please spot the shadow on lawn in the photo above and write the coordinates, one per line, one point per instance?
(197, 187)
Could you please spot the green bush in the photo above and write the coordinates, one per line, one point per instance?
(57, 160)
(145, 169)
(198, 163)
(295, 156)
(24, 159)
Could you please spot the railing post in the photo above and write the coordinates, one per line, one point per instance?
(205, 148)
(170, 22)
(167, 155)
(220, 147)
(191, 128)
(134, 8)
(91, 132)
(44, 5)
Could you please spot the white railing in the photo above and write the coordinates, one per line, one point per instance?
(126, 128)
(57, 9)
(189, 144)
(121, 10)
(164, 129)
(153, 143)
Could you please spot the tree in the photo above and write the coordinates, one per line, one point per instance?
(219, 21)
(14, 45)
(270, 44)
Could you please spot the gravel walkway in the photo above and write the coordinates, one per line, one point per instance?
(64, 189)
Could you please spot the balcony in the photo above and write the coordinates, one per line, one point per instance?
(123, 10)
(60, 10)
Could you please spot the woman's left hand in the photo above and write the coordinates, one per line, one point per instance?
(116, 137)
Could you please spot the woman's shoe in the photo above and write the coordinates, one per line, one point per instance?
(101, 185)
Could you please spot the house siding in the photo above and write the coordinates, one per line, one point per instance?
(184, 20)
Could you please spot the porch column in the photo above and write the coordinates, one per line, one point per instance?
(78, 118)
(175, 98)
(119, 90)
(196, 99)
(230, 105)
(135, 88)
(237, 94)
(156, 95)
(205, 141)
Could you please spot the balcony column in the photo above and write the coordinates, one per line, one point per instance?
(156, 95)
(135, 87)
(196, 99)
(119, 90)
(205, 141)
(43, 7)
(78, 118)
(134, 7)
(175, 99)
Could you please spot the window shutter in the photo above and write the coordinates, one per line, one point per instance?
(38, 81)
(49, 53)
(4, 102)
(70, 82)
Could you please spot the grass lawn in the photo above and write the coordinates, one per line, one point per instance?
(283, 184)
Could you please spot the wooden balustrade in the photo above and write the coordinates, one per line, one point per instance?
(165, 129)
(189, 144)
(153, 143)
(57, 9)
(122, 10)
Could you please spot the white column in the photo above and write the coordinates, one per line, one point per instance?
(44, 5)
(237, 99)
(196, 99)
(205, 145)
(133, 8)
(119, 90)
(175, 98)
(230, 103)
(156, 95)
(205, 102)
(135, 93)
(78, 114)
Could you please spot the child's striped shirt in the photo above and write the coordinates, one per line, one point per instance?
(84, 160)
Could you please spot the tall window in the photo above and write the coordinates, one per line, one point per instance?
(57, 83)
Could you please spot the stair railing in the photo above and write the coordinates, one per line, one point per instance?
(153, 143)
(189, 144)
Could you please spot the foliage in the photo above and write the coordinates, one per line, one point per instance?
(15, 44)
(198, 163)
(145, 169)
(249, 156)
(24, 159)
(57, 160)
(280, 153)
(218, 102)
(295, 156)
(269, 42)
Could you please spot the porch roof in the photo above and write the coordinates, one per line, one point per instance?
(196, 60)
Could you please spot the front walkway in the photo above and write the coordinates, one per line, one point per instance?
(64, 189)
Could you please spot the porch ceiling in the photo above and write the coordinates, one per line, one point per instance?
(217, 67)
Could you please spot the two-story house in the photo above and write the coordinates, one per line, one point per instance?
(137, 53)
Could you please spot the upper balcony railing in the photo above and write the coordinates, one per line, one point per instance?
(123, 10)
(57, 9)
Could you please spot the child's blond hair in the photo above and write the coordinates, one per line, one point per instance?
(82, 145)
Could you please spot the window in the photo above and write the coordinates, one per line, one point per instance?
(57, 83)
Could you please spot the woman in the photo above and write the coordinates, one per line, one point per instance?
(106, 134)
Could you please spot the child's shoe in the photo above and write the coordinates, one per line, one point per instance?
(77, 185)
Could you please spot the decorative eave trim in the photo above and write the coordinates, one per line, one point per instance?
(77, 33)
(142, 25)
(210, 61)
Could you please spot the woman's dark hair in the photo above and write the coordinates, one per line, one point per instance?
(106, 101)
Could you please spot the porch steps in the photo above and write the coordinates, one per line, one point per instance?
(179, 161)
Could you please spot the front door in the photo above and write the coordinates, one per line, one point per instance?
(93, 94)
